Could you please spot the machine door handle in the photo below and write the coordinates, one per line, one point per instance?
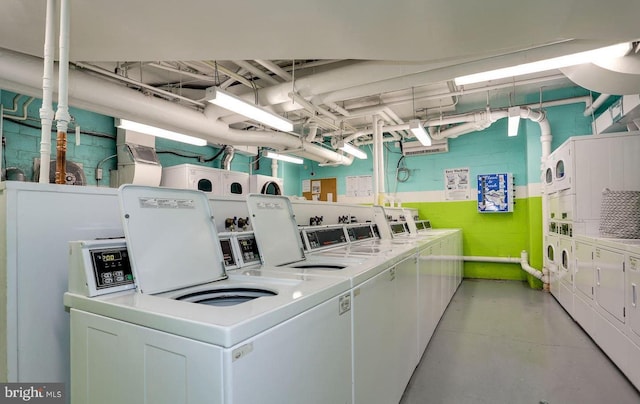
(598, 276)
(634, 295)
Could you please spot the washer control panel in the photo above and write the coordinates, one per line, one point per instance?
(326, 237)
(111, 267)
(360, 232)
(98, 267)
(249, 252)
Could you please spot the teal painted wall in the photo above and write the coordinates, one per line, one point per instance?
(487, 151)
(98, 141)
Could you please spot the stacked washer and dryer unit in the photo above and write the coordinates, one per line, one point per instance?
(595, 279)
(299, 326)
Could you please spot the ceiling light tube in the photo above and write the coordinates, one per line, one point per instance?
(283, 157)
(354, 151)
(608, 52)
(514, 121)
(233, 103)
(420, 132)
(159, 132)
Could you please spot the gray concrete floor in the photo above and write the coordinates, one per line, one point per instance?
(502, 342)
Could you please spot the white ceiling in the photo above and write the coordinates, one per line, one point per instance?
(402, 54)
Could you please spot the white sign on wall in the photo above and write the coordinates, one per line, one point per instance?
(456, 184)
(359, 185)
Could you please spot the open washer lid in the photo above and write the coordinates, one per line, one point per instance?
(275, 229)
(171, 238)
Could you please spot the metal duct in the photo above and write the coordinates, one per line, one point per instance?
(227, 157)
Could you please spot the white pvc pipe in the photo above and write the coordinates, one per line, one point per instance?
(523, 261)
(256, 72)
(274, 68)
(381, 167)
(274, 167)
(310, 107)
(62, 114)
(376, 167)
(46, 111)
(596, 104)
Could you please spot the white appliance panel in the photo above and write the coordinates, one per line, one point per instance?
(373, 318)
(304, 360)
(119, 362)
(633, 291)
(584, 280)
(234, 183)
(191, 176)
(609, 272)
(36, 265)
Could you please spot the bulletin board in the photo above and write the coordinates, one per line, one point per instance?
(320, 189)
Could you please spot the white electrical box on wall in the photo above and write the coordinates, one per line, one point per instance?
(495, 193)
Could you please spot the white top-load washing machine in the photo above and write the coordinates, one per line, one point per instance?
(158, 320)
(281, 244)
(384, 293)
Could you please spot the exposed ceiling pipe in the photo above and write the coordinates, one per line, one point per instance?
(62, 114)
(462, 118)
(22, 74)
(225, 84)
(46, 111)
(256, 72)
(231, 73)
(373, 77)
(165, 67)
(596, 104)
(158, 91)
(275, 69)
(306, 104)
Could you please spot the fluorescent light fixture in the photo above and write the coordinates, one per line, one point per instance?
(514, 121)
(354, 151)
(420, 132)
(158, 132)
(613, 51)
(233, 103)
(283, 157)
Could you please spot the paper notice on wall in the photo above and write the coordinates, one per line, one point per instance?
(315, 187)
(456, 184)
(306, 185)
(359, 185)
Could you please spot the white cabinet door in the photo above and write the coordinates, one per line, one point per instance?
(374, 336)
(609, 272)
(633, 291)
(405, 324)
(583, 271)
(428, 294)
